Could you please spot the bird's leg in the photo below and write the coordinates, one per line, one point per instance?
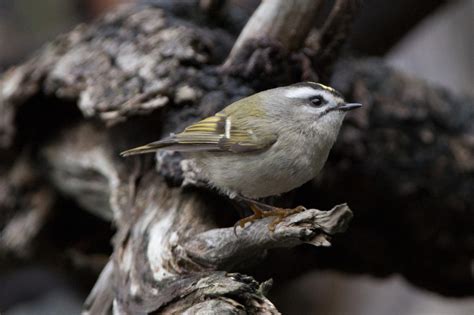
(257, 208)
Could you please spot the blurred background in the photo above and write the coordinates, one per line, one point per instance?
(428, 39)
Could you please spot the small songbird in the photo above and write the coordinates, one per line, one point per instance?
(263, 145)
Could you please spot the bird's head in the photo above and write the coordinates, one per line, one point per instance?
(309, 106)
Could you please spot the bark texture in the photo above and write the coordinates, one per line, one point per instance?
(404, 164)
(275, 21)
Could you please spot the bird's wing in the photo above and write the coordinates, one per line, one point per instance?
(225, 131)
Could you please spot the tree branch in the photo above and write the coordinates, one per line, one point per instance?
(222, 249)
(327, 41)
(285, 22)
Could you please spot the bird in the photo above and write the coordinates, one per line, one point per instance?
(262, 145)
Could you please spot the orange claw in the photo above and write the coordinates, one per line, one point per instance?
(279, 213)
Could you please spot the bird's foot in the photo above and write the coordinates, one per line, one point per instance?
(257, 214)
(279, 213)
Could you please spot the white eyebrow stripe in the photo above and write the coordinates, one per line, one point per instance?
(307, 92)
(328, 96)
(228, 125)
(301, 92)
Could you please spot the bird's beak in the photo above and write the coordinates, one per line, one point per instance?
(349, 106)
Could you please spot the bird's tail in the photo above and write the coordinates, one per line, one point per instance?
(149, 148)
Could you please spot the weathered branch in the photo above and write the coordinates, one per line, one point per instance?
(101, 297)
(327, 42)
(271, 47)
(285, 22)
(222, 249)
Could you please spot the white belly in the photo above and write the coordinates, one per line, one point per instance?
(266, 173)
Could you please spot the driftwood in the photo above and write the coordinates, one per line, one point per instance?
(404, 164)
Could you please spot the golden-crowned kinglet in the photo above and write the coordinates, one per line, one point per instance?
(265, 144)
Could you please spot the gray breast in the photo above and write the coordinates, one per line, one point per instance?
(279, 169)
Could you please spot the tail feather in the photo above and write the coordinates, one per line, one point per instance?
(149, 148)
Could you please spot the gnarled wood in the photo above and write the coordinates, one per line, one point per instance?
(275, 20)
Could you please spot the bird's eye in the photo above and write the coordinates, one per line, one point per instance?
(318, 101)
